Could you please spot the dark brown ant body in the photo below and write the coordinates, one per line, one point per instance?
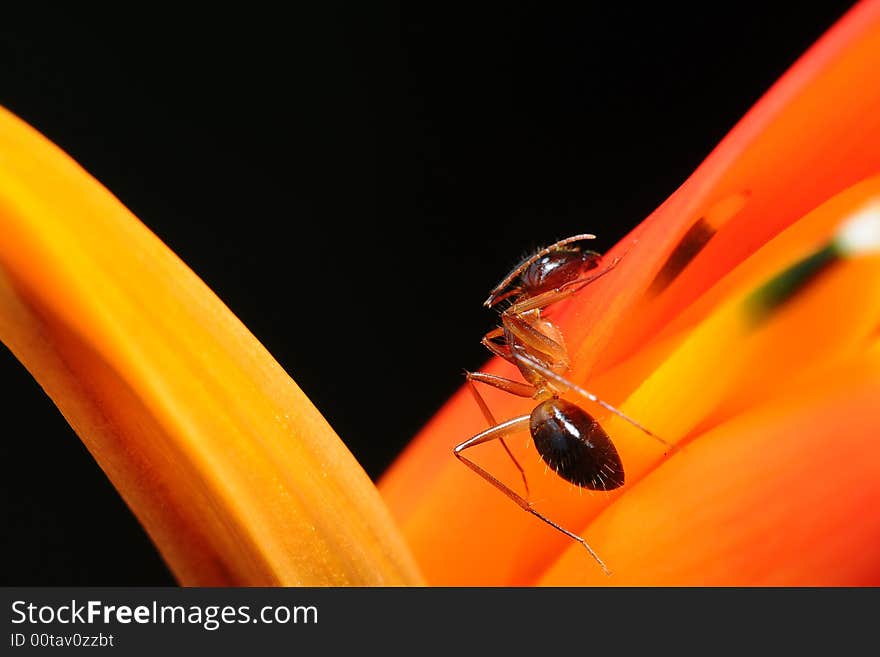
(568, 439)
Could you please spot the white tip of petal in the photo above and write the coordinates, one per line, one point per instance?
(861, 232)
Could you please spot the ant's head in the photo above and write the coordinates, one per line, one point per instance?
(556, 268)
(548, 269)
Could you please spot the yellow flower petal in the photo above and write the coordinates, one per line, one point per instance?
(233, 473)
(729, 362)
(781, 495)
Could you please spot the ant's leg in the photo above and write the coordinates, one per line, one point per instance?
(498, 350)
(502, 351)
(499, 431)
(544, 371)
(526, 334)
(563, 292)
(531, 338)
(513, 387)
(507, 385)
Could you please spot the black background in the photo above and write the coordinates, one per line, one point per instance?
(357, 177)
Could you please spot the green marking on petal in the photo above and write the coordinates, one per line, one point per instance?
(780, 289)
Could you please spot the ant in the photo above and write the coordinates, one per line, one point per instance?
(568, 439)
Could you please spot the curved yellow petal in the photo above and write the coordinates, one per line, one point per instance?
(730, 360)
(782, 495)
(233, 473)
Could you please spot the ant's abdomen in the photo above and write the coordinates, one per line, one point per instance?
(571, 442)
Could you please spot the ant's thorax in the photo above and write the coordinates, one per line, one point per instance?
(535, 336)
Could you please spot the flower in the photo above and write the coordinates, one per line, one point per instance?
(741, 322)
(720, 329)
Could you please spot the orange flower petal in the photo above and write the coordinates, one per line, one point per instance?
(233, 473)
(727, 363)
(814, 134)
(779, 496)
